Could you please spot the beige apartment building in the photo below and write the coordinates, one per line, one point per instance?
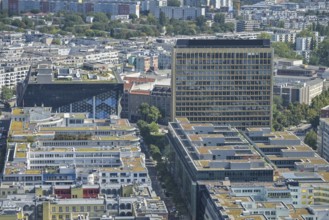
(223, 81)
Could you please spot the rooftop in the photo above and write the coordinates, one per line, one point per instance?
(45, 74)
(219, 43)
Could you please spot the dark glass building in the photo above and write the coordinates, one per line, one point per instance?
(68, 90)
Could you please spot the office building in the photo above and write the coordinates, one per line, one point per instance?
(301, 92)
(71, 90)
(225, 200)
(285, 150)
(323, 137)
(207, 152)
(223, 81)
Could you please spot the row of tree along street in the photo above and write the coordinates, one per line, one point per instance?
(159, 150)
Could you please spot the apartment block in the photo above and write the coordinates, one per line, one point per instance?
(65, 148)
(11, 75)
(304, 43)
(113, 7)
(287, 37)
(247, 26)
(183, 12)
(223, 81)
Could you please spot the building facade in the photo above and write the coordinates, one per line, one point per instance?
(323, 138)
(207, 152)
(68, 90)
(302, 93)
(223, 81)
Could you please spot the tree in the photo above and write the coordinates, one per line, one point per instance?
(264, 35)
(154, 114)
(200, 21)
(163, 19)
(133, 17)
(151, 19)
(156, 153)
(153, 127)
(100, 17)
(149, 113)
(144, 110)
(305, 33)
(283, 50)
(143, 127)
(321, 55)
(56, 41)
(310, 139)
(7, 93)
(175, 3)
(219, 18)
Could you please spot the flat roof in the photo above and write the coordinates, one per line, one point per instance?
(222, 43)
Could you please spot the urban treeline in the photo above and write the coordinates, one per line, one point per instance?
(64, 23)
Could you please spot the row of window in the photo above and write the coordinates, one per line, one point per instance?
(223, 61)
(179, 69)
(216, 55)
(77, 209)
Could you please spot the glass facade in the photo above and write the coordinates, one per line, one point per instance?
(223, 85)
(99, 100)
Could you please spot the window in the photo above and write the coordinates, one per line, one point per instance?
(53, 209)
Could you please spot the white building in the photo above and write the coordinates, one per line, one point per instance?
(11, 75)
(303, 43)
(185, 12)
(65, 147)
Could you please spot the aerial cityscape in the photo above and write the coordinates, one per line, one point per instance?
(164, 110)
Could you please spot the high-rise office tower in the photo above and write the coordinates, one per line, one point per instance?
(223, 81)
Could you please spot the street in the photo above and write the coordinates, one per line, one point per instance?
(156, 184)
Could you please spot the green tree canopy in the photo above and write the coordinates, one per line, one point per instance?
(219, 18)
(153, 127)
(310, 139)
(305, 33)
(163, 20)
(144, 110)
(321, 55)
(100, 17)
(155, 152)
(149, 113)
(7, 93)
(264, 35)
(284, 50)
